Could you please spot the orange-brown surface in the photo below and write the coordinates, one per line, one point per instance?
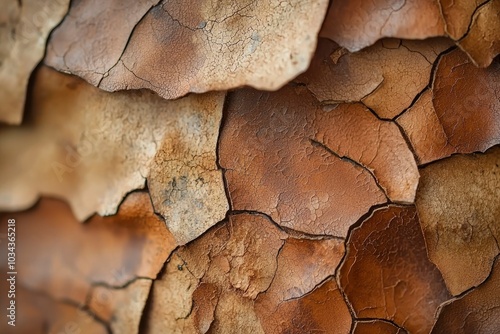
(249, 166)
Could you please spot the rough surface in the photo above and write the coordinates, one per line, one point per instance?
(461, 114)
(239, 272)
(482, 42)
(457, 15)
(356, 24)
(185, 184)
(386, 77)
(476, 312)
(386, 273)
(229, 265)
(133, 243)
(323, 310)
(286, 307)
(458, 205)
(92, 148)
(24, 28)
(212, 46)
(87, 43)
(266, 189)
(312, 168)
(472, 24)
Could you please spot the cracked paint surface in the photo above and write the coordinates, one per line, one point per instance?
(472, 24)
(458, 205)
(358, 24)
(386, 77)
(350, 198)
(387, 274)
(92, 148)
(241, 272)
(213, 46)
(477, 311)
(313, 168)
(459, 113)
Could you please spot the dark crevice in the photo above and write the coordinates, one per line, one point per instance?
(352, 161)
(451, 156)
(374, 113)
(274, 276)
(316, 286)
(357, 224)
(222, 124)
(126, 46)
(295, 233)
(382, 320)
(463, 294)
(72, 303)
(121, 286)
(429, 86)
(408, 143)
(472, 19)
(143, 322)
(118, 206)
(432, 78)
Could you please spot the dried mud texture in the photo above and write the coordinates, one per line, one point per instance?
(458, 16)
(458, 205)
(376, 327)
(478, 311)
(482, 43)
(185, 183)
(472, 24)
(461, 114)
(121, 308)
(24, 28)
(356, 24)
(323, 310)
(111, 251)
(288, 306)
(387, 274)
(311, 168)
(173, 51)
(386, 77)
(92, 148)
(234, 277)
(88, 43)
